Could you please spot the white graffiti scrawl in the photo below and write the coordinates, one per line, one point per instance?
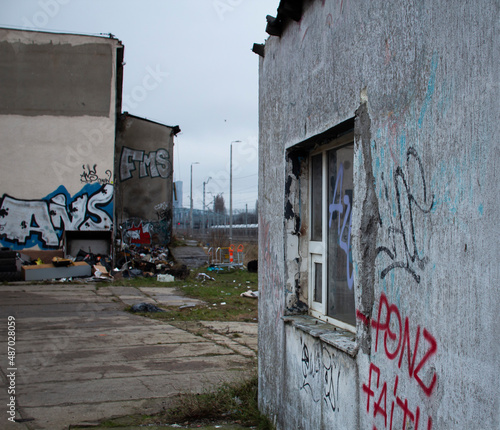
(46, 219)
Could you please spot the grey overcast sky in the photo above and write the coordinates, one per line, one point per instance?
(199, 52)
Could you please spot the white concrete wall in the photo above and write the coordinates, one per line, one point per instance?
(421, 79)
(40, 153)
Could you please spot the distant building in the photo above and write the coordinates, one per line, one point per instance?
(60, 95)
(144, 184)
(379, 202)
(60, 104)
(177, 194)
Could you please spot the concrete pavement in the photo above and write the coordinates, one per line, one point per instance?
(79, 358)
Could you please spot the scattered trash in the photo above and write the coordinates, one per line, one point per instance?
(94, 259)
(132, 273)
(165, 278)
(251, 294)
(146, 307)
(101, 273)
(148, 262)
(215, 269)
(61, 262)
(187, 306)
(204, 277)
(180, 271)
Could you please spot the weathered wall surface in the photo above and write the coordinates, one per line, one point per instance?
(144, 180)
(57, 116)
(421, 80)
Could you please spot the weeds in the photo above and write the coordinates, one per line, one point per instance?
(230, 402)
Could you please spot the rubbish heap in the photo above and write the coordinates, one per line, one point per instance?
(131, 261)
(137, 260)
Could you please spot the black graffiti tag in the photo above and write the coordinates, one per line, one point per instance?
(90, 176)
(404, 227)
(321, 370)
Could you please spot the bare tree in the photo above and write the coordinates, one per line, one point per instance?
(219, 204)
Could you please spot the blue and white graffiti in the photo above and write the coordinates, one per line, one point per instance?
(41, 223)
(345, 230)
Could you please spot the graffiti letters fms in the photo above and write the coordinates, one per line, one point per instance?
(155, 164)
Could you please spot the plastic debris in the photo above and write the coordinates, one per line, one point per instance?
(251, 294)
(187, 306)
(146, 307)
(165, 278)
(204, 277)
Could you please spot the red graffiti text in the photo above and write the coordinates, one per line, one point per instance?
(394, 335)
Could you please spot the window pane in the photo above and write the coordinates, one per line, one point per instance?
(340, 277)
(316, 194)
(318, 282)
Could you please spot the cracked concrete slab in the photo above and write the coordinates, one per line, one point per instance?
(80, 357)
(192, 256)
(169, 297)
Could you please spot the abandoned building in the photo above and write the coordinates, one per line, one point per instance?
(65, 145)
(144, 180)
(378, 194)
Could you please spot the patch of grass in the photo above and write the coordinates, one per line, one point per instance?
(231, 406)
(236, 403)
(221, 296)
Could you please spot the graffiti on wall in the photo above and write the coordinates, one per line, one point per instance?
(155, 164)
(139, 234)
(320, 370)
(31, 223)
(145, 232)
(415, 358)
(162, 210)
(89, 175)
(411, 196)
(343, 207)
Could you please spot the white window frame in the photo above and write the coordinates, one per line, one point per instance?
(318, 250)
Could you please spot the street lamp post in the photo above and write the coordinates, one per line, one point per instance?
(231, 191)
(204, 208)
(191, 202)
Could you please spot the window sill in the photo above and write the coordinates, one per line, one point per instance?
(336, 337)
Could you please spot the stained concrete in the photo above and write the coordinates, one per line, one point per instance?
(191, 256)
(81, 358)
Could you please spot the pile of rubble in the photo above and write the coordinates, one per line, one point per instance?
(147, 262)
(132, 261)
